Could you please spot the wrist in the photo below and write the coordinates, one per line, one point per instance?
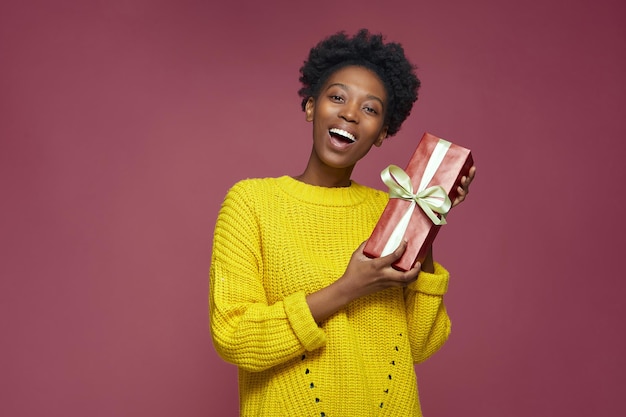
(428, 265)
(343, 293)
(327, 301)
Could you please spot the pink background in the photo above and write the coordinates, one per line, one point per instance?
(123, 123)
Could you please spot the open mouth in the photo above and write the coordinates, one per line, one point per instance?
(342, 135)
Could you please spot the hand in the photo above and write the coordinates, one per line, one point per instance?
(366, 275)
(363, 276)
(463, 189)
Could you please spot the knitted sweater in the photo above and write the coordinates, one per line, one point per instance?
(278, 239)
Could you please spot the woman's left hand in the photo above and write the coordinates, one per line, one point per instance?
(463, 189)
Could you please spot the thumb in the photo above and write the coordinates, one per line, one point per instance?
(397, 253)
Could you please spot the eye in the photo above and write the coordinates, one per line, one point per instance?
(336, 98)
(370, 110)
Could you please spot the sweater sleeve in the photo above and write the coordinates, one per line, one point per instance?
(246, 331)
(428, 321)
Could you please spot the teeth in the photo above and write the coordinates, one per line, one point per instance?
(343, 133)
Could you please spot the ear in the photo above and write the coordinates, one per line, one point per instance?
(309, 109)
(381, 137)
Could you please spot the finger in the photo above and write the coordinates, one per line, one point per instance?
(359, 254)
(461, 194)
(361, 247)
(465, 183)
(395, 255)
(411, 275)
(472, 172)
(470, 176)
(399, 250)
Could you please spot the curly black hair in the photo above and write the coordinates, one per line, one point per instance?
(387, 60)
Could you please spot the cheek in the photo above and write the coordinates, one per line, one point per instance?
(375, 129)
(319, 131)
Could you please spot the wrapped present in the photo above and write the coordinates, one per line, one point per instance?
(420, 198)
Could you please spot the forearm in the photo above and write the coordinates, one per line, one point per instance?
(327, 301)
(257, 336)
(428, 321)
(428, 265)
(431, 328)
(363, 276)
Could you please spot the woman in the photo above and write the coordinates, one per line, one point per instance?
(315, 327)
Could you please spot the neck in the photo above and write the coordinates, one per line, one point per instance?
(322, 182)
(324, 176)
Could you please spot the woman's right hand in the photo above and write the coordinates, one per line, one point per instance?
(363, 276)
(366, 275)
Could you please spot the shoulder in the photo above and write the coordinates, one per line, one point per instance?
(245, 199)
(251, 186)
(250, 194)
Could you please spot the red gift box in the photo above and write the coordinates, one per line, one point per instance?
(436, 166)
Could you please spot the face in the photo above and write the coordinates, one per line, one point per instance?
(348, 117)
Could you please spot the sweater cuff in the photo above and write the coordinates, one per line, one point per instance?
(304, 326)
(433, 284)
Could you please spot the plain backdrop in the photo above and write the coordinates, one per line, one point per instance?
(124, 123)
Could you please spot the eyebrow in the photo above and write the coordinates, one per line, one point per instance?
(370, 96)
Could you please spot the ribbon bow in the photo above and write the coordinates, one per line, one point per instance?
(431, 200)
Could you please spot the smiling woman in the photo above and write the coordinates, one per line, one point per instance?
(315, 327)
(348, 118)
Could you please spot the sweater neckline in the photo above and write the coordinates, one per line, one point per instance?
(326, 196)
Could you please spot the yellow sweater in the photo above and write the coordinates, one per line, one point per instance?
(276, 240)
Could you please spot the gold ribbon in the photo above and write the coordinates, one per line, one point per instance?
(431, 200)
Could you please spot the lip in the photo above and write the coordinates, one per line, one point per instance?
(339, 144)
(343, 132)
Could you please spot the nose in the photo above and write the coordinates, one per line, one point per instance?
(349, 112)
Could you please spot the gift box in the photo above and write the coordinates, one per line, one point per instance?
(420, 197)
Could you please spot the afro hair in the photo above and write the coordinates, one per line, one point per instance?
(386, 60)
